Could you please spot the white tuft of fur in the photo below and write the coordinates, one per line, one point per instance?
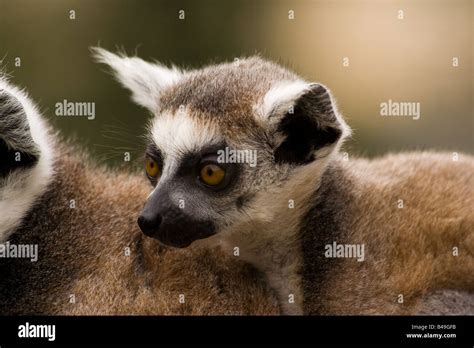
(178, 133)
(21, 189)
(283, 95)
(145, 80)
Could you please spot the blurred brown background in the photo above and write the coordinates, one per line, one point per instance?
(406, 59)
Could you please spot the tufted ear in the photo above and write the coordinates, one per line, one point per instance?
(26, 156)
(145, 80)
(302, 122)
(17, 147)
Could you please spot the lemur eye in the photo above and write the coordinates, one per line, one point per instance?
(151, 167)
(212, 174)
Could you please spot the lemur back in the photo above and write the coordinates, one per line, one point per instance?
(416, 245)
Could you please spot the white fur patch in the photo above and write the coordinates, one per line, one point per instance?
(145, 80)
(20, 190)
(177, 134)
(283, 95)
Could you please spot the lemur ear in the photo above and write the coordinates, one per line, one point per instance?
(145, 80)
(26, 156)
(17, 148)
(302, 121)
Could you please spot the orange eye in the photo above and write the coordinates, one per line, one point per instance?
(212, 174)
(151, 167)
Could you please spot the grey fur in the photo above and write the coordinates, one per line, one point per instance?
(225, 91)
(447, 302)
(14, 127)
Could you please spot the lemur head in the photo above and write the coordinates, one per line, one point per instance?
(228, 144)
(26, 156)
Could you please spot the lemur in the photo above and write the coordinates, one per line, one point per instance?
(92, 258)
(412, 213)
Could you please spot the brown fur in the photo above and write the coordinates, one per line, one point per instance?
(82, 252)
(225, 94)
(408, 251)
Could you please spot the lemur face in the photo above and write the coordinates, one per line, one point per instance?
(223, 139)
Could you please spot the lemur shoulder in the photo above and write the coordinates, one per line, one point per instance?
(412, 212)
(92, 257)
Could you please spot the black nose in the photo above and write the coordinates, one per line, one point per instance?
(149, 224)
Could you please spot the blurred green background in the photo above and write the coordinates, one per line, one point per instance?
(407, 59)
